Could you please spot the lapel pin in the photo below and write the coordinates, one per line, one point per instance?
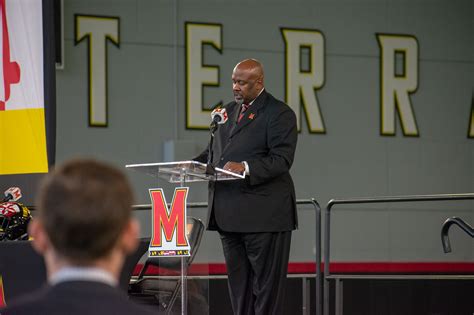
(252, 116)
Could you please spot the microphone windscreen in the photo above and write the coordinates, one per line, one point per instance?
(219, 115)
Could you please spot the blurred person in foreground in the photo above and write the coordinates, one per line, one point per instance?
(84, 230)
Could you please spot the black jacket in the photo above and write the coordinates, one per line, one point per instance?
(75, 298)
(266, 138)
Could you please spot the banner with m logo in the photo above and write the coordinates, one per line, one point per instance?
(169, 225)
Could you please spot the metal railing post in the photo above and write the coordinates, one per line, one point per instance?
(318, 283)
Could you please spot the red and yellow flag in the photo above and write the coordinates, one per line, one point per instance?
(22, 116)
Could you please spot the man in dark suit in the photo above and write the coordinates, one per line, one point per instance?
(84, 230)
(254, 216)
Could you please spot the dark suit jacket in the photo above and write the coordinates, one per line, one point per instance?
(266, 138)
(75, 297)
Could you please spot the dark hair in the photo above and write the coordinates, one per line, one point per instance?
(84, 206)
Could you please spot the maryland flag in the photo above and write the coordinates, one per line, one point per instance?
(22, 88)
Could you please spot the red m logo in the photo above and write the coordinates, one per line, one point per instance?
(168, 222)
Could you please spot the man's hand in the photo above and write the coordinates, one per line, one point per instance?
(235, 167)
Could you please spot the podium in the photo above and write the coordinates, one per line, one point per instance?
(182, 172)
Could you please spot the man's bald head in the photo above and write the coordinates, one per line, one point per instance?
(252, 65)
(247, 80)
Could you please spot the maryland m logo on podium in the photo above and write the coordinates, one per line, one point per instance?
(169, 237)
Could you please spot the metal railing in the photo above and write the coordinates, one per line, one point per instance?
(445, 229)
(385, 199)
(322, 288)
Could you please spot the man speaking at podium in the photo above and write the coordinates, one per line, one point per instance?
(254, 216)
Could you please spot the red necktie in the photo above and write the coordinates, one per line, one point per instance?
(242, 111)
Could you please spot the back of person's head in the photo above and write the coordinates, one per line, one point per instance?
(84, 205)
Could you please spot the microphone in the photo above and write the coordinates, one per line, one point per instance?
(219, 117)
(12, 193)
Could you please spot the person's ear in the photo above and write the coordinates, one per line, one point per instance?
(37, 232)
(129, 238)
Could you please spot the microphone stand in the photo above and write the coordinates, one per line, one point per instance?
(210, 169)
